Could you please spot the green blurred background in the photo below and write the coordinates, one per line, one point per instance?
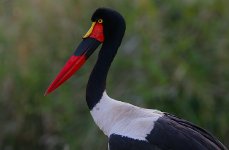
(174, 57)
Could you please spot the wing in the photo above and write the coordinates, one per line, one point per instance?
(173, 133)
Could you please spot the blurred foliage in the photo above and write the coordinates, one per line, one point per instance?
(178, 62)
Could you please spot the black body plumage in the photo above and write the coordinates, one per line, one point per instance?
(169, 133)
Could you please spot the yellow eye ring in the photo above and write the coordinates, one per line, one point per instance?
(100, 21)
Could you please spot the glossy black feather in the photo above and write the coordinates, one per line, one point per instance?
(118, 142)
(170, 132)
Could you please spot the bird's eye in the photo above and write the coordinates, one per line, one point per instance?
(100, 21)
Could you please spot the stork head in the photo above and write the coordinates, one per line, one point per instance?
(107, 25)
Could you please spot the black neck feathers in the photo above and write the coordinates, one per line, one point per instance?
(114, 29)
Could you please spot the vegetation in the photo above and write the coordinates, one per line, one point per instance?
(174, 57)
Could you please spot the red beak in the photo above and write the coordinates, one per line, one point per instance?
(91, 41)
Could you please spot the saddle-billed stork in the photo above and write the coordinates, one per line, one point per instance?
(128, 127)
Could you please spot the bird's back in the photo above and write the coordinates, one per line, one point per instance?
(129, 127)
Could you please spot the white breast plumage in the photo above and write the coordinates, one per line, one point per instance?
(115, 117)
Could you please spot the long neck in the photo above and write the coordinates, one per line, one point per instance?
(97, 81)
